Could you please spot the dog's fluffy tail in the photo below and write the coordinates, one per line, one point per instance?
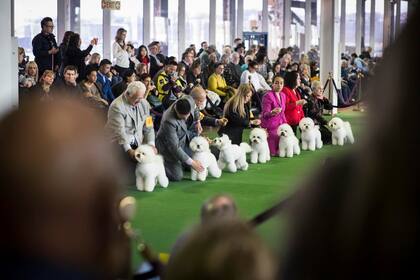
(246, 147)
(349, 132)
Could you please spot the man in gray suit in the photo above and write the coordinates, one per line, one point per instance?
(129, 120)
(172, 140)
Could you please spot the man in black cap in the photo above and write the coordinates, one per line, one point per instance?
(173, 139)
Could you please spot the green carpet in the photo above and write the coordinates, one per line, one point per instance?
(165, 213)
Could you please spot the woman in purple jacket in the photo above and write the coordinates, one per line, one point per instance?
(274, 104)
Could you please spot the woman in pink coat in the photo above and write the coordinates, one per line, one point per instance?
(274, 104)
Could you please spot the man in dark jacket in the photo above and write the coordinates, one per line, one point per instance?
(45, 47)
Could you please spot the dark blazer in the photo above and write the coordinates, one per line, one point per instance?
(119, 88)
(41, 44)
(154, 67)
(173, 137)
(75, 56)
(235, 126)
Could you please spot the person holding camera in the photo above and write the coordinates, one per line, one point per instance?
(167, 87)
(45, 47)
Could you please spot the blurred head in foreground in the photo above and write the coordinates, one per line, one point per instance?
(225, 249)
(217, 207)
(58, 191)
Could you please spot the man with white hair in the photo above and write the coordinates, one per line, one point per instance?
(129, 121)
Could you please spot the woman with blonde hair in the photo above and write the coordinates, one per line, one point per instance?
(42, 90)
(237, 112)
(30, 78)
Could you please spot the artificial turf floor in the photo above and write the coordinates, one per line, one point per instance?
(165, 213)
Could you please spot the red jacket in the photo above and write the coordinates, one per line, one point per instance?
(293, 112)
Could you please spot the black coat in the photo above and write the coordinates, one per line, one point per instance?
(41, 44)
(235, 126)
(75, 56)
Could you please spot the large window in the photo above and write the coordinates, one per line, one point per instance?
(275, 22)
(253, 15)
(222, 23)
(129, 17)
(28, 16)
(173, 29)
(297, 29)
(197, 25)
(91, 24)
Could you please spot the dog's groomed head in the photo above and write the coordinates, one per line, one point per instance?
(335, 123)
(285, 130)
(306, 124)
(220, 142)
(145, 154)
(258, 135)
(199, 144)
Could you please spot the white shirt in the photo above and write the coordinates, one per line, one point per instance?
(120, 55)
(257, 80)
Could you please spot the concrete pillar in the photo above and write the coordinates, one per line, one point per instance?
(106, 33)
(265, 16)
(9, 58)
(240, 21)
(398, 18)
(359, 25)
(308, 26)
(63, 18)
(330, 53)
(343, 26)
(287, 17)
(232, 20)
(372, 26)
(147, 21)
(387, 33)
(181, 28)
(212, 23)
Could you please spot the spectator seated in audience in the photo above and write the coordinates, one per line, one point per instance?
(194, 76)
(204, 46)
(155, 63)
(43, 89)
(264, 66)
(237, 112)
(68, 85)
(94, 60)
(240, 49)
(257, 82)
(130, 124)
(45, 49)
(204, 56)
(143, 56)
(30, 78)
(132, 57)
(217, 83)
(173, 138)
(103, 79)
(118, 89)
(232, 73)
(22, 61)
(181, 81)
(315, 107)
(141, 69)
(167, 87)
(305, 78)
(76, 57)
(92, 90)
(187, 59)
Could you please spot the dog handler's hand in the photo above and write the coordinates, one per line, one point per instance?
(222, 121)
(196, 165)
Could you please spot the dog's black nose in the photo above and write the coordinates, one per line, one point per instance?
(198, 146)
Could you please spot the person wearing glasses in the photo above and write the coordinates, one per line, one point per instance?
(217, 83)
(45, 47)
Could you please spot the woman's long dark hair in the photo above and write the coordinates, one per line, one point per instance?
(74, 40)
(290, 79)
(139, 51)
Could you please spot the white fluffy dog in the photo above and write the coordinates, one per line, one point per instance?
(341, 132)
(201, 152)
(310, 136)
(289, 144)
(259, 145)
(231, 156)
(149, 169)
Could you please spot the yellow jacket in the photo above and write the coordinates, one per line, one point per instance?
(217, 84)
